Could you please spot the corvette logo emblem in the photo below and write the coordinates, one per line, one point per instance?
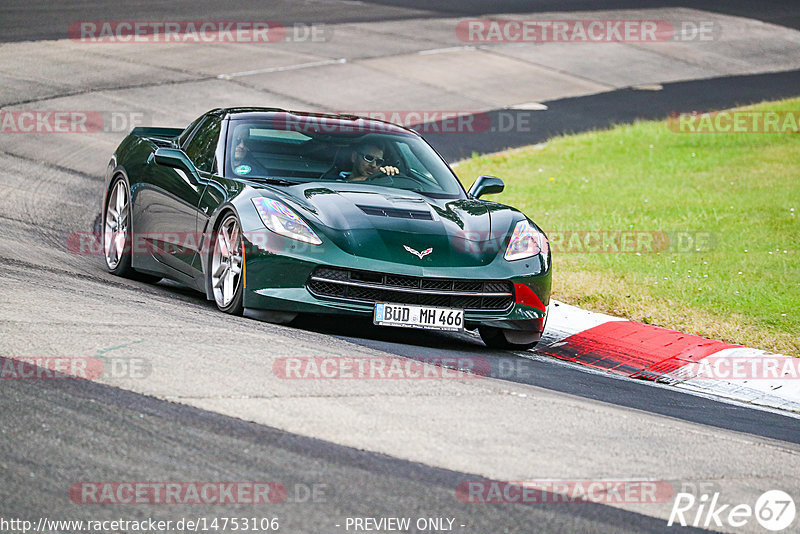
(420, 255)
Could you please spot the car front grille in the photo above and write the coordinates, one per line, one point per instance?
(371, 287)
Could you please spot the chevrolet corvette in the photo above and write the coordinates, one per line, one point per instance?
(273, 213)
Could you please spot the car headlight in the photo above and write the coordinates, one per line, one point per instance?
(526, 241)
(279, 218)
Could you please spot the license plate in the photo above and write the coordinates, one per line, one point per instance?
(427, 317)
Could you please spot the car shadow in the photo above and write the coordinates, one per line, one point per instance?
(363, 328)
(359, 330)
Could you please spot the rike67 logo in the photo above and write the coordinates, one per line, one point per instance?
(774, 510)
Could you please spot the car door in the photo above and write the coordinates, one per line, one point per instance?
(174, 226)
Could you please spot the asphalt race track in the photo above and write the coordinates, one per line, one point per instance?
(190, 395)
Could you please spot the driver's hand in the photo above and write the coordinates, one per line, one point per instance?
(389, 170)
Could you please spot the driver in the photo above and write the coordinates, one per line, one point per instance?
(367, 159)
(243, 162)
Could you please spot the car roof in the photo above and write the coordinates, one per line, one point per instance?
(310, 118)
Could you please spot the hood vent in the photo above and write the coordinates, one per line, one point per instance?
(398, 213)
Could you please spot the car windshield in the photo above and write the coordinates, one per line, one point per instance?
(286, 150)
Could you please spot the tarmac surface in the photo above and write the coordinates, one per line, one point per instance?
(209, 406)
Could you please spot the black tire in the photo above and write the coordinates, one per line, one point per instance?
(500, 338)
(227, 285)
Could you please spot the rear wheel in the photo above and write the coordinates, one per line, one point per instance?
(226, 266)
(117, 234)
(116, 238)
(501, 338)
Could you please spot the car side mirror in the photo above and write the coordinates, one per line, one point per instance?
(486, 185)
(173, 157)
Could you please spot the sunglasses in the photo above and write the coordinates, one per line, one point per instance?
(369, 158)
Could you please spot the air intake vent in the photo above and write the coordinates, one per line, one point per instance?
(397, 213)
(371, 287)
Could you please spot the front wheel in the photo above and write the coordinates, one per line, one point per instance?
(226, 267)
(501, 338)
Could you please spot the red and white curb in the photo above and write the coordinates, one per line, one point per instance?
(686, 361)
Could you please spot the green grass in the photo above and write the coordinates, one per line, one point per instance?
(741, 190)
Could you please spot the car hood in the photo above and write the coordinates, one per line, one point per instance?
(406, 227)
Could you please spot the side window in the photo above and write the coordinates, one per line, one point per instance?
(188, 131)
(203, 144)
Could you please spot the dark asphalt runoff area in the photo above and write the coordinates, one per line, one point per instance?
(518, 127)
(77, 431)
(32, 20)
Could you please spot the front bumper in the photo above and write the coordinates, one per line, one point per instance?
(277, 279)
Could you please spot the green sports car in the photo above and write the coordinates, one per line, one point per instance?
(272, 213)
